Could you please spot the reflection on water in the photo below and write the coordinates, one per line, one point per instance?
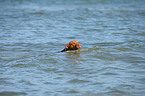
(73, 56)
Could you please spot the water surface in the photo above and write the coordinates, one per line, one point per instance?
(32, 32)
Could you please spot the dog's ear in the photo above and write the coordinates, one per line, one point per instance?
(67, 47)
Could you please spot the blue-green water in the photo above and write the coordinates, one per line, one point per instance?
(33, 31)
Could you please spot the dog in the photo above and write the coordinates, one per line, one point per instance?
(72, 45)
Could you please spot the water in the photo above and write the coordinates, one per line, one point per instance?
(32, 32)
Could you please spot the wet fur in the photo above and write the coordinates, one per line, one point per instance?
(72, 45)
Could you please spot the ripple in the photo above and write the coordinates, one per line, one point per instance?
(4, 81)
(108, 73)
(110, 68)
(117, 93)
(20, 65)
(72, 91)
(7, 93)
(26, 82)
(123, 49)
(51, 83)
(49, 69)
(37, 13)
(78, 81)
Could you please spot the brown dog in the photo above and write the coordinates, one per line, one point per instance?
(72, 45)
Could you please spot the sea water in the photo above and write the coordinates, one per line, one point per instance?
(33, 31)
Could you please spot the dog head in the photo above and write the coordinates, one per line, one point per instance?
(73, 45)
